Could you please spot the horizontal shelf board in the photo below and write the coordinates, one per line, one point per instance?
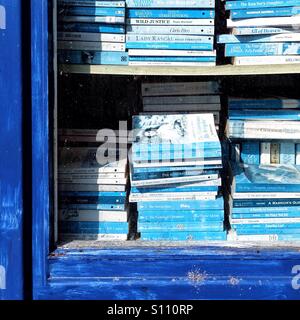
(224, 70)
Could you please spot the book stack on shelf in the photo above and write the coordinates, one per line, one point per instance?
(262, 32)
(182, 97)
(93, 194)
(92, 32)
(170, 32)
(175, 177)
(264, 173)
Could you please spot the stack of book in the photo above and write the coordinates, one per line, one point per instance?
(93, 190)
(262, 32)
(92, 32)
(171, 32)
(264, 173)
(182, 97)
(175, 177)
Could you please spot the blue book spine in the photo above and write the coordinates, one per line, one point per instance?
(266, 227)
(102, 206)
(231, 38)
(250, 152)
(167, 14)
(179, 168)
(262, 104)
(287, 153)
(261, 4)
(168, 38)
(182, 205)
(211, 226)
(92, 3)
(295, 214)
(91, 27)
(94, 11)
(175, 189)
(183, 236)
(268, 231)
(93, 57)
(174, 59)
(261, 187)
(169, 46)
(266, 210)
(264, 12)
(262, 49)
(266, 203)
(170, 3)
(264, 114)
(93, 194)
(182, 216)
(94, 227)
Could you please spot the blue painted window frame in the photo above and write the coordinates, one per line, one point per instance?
(199, 272)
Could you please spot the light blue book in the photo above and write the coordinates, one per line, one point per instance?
(264, 114)
(169, 38)
(266, 203)
(179, 168)
(94, 227)
(170, 13)
(270, 215)
(266, 178)
(181, 216)
(231, 38)
(262, 49)
(264, 12)
(278, 237)
(250, 152)
(290, 231)
(174, 59)
(261, 30)
(171, 174)
(287, 153)
(92, 3)
(170, 3)
(92, 27)
(174, 189)
(160, 131)
(184, 236)
(93, 11)
(118, 194)
(168, 29)
(102, 206)
(170, 46)
(260, 4)
(211, 226)
(266, 227)
(93, 57)
(216, 204)
(266, 210)
(263, 103)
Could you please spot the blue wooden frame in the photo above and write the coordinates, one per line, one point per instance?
(199, 272)
(11, 151)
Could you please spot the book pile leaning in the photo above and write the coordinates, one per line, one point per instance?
(264, 178)
(262, 32)
(170, 32)
(92, 32)
(93, 201)
(175, 177)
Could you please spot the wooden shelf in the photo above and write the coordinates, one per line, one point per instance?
(226, 70)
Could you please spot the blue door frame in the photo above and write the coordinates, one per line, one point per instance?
(11, 153)
(199, 272)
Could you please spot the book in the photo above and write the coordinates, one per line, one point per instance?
(175, 64)
(89, 36)
(264, 12)
(92, 3)
(168, 38)
(170, 3)
(203, 23)
(170, 196)
(275, 153)
(169, 45)
(92, 11)
(243, 31)
(90, 45)
(93, 19)
(174, 100)
(170, 53)
(170, 13)
(76, 187)
(260, 4)
(265, 153)
(94, 236)
(270, 103)
(94, 227)
(268, 237)
(287, 153)
(92, 215)
(183, 236)
(285, 37)
(250, 152)
(263, 60)
(91, 28)
(277, 203)
(264, 114)
(266, 221)
(264, 22)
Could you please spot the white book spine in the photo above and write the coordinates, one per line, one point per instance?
(264, 221)
(168, 38)
(260, 60)
(76, 187)
(171, 197)
(265, 153)
(175, 64)
(93, 215)
(95, 46)
(297, 154)
(266, 195)
(170, 53)
(94, 237)
(92, 176)
(152, 182)
(89, 36)
(257, 237)
(173, 22)
(94, 181)
(263, 22)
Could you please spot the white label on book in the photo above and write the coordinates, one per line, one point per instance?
(2, 18)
